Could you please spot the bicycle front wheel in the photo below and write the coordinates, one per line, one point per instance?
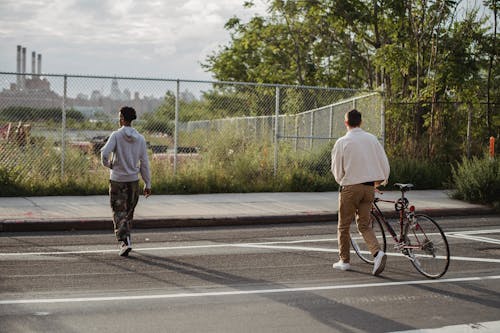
(358, 243)
(427, 247)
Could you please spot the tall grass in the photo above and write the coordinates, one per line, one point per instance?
(228, 161)
(36, 170)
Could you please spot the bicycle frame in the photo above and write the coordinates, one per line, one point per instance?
(404, 220)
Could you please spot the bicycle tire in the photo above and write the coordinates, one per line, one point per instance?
(359, 244)
(428, 249)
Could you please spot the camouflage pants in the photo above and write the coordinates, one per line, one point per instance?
(123, 198)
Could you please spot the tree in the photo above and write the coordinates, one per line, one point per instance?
(162, 119)
(426, 54)
(493, 68)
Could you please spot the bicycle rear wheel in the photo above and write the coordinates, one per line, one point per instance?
(427, 247)
(358, 243)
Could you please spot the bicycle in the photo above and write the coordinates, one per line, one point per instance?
(420, 238)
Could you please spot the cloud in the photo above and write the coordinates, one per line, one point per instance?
(126, 37)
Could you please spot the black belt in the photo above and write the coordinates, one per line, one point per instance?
(366, 183)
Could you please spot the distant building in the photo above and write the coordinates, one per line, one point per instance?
(32, 90)
(36, 93)
(116, 93)
(82, 96)
(96, 95)
(127, 94)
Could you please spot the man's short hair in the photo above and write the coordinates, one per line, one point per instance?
(128, 113)
(353, 118)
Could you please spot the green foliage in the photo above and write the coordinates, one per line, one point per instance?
(157, 124)
(424, 174)
(478, 180)
(8, 182)
(428, 54)
(28, 114)
(224, 101)
(162, 119)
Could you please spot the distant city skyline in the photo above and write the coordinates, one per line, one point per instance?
(160, 39)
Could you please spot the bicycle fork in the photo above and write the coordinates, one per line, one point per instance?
(404, 245)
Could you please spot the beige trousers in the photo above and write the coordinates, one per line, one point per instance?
(355, 201)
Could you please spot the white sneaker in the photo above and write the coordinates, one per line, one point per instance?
(343, 266)
(126, 247)
(379, 263)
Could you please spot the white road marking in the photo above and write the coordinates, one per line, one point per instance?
(460, 234)
(474, 232)
(284, 247)
(242, 292)
(482, 327)
(316, 249)
(475, 238)
(263, 245)
(166, 248)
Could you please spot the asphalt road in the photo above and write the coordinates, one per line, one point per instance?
(241, 279)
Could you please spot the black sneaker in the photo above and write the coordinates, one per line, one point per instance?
(126, 247)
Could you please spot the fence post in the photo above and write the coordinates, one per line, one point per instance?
(296, 125)
(176, 124)
(469, 135)
(311, 131)
(492, 148)
(330, 125)
(382, 118)
(276, 131)
(63, 125)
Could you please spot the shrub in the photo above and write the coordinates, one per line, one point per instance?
(424, 174)
(8, 181)
(477, 180)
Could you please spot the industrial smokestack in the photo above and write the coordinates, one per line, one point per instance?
(39, 69)
(33, 63)
(23, 60)
(23, 67)
(18, 66)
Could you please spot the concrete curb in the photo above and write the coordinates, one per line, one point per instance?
(34, 225)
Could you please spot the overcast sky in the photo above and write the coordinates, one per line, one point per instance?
(146, 38)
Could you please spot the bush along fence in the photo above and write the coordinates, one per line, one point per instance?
(203, 136)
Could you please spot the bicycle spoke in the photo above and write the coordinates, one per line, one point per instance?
(427, 247)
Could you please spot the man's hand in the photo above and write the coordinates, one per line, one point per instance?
(147, 192)
(377, 184)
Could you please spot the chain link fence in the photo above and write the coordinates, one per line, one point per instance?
(239, 135)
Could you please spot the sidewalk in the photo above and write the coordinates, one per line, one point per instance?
(158, 211)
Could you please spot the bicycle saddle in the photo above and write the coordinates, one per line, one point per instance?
(404, 187)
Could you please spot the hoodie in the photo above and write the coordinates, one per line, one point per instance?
(129, 156)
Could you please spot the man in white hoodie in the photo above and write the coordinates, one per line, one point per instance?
(359, 165)
(125, 154)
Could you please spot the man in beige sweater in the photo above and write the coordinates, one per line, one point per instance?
(359, 165)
